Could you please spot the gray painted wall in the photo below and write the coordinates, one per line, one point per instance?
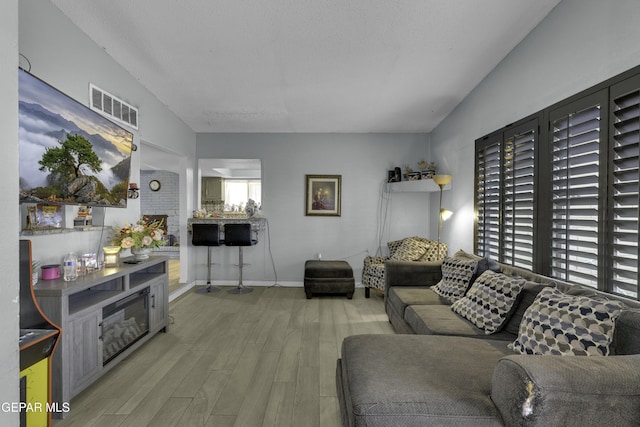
(9, 309)
(361, 159)
(556, 60)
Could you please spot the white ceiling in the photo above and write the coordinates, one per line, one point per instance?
(308, 65)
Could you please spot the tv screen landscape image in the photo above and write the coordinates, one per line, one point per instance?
(68, 153)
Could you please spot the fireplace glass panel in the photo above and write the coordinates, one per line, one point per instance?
(123, 323)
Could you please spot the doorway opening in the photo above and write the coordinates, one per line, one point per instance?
(161, 198)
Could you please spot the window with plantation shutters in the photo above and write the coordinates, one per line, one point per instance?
(518, 209)
(504, 197)
(563, 199)
(487, 198)
(623, 199)
(575, 193)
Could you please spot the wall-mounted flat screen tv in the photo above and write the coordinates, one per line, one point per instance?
(68, 153)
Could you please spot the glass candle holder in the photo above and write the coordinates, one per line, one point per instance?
(111, 256)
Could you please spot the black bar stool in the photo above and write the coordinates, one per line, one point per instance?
(239, 235)
(206, 235)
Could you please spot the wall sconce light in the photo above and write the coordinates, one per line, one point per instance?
(111, 256)
(442, 180)
(445, 214)
(133, 193)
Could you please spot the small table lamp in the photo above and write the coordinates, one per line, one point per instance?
(111, 256)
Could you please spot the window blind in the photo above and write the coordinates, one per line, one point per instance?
(487, 198)
(575, 148)
(518, 167)
(625, 183)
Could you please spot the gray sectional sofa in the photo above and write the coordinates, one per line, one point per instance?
(443, 370)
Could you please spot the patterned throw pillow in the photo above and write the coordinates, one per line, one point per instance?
(393, 246)
(457, 272)
(409, 250)
(435, 251)
(561, 324)
(489, 301)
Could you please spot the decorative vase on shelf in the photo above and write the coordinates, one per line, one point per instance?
(141, 253)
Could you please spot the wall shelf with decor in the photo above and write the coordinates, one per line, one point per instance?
(60, 219)
(46, 231)
(417, 186)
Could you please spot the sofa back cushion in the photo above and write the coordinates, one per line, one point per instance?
(561, 324)
(528, 294)
(626, 336)
(490, 301)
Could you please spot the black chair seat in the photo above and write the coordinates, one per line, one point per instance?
(205, 235)
(238, 235)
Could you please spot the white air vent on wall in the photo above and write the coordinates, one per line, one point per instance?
(112, 107)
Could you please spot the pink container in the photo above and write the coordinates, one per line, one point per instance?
(50, 272)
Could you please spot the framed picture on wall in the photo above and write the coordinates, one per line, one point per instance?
(323, 195)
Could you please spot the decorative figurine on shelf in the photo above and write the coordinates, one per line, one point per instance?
(429, 171)
(84, 217)
(252, 208)
(410, 175)
(407, 171)
(200, 213)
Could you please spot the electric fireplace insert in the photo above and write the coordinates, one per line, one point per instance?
(123, 323)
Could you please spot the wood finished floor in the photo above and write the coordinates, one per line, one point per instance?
(261, 359)
(174, 274)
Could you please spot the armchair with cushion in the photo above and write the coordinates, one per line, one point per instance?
(414, 255)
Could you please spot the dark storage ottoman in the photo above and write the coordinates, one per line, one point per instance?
(328, 277)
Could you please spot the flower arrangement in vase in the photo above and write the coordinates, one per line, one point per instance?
(140, 237)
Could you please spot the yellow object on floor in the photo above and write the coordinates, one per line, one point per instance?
(37, 391)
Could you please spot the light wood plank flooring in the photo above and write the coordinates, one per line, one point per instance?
(174, 274)
(261, 359)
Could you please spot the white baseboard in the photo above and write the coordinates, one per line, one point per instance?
(257, 283)
(181, 291)
(248, 283)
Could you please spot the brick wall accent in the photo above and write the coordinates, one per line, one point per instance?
(166, 201)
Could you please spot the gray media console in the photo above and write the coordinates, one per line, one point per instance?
(104, 316)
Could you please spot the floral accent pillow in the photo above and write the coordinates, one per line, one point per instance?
(490, 301)
(560, 324)
(457, 274)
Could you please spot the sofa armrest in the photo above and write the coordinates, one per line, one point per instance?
(412, 273)
(567, 390)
